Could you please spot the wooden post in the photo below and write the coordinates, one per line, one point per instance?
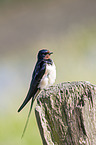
(66, 114)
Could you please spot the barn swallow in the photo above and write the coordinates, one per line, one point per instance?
(44, 75)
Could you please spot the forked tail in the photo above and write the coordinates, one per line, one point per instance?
(28, 117)
(38, 91)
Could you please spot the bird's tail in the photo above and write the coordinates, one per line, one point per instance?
(28, 117)
(33, 99)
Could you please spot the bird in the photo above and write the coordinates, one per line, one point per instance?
(43, 76)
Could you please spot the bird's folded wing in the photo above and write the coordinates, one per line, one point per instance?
(39, 72)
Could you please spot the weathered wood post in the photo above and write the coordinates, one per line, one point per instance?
(66, 114)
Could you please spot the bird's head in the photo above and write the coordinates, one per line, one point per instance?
(44, 54)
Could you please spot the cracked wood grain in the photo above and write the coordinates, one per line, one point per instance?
(66, 114)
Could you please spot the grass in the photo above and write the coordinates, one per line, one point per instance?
(11, 128)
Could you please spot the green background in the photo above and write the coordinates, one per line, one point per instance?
(68, 28)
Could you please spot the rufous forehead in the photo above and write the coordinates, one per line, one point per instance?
(47, 51)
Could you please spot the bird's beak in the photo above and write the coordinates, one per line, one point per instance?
(50, 53)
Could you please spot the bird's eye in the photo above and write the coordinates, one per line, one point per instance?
(45, 53)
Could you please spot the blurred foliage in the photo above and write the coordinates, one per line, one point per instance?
(75, 60)
(11, 128)
(24, 29)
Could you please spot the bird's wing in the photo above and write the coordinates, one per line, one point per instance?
(37, 76)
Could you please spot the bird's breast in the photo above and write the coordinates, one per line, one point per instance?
(49, 77)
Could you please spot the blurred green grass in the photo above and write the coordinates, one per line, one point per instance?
(11, 128)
